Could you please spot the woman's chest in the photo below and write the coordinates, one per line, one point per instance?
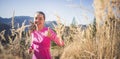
(41, 36)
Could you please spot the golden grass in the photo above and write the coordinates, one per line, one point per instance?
(79, 44)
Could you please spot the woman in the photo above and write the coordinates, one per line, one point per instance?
(41, 37)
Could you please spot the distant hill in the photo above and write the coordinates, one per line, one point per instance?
(5, 23)
(19, 20)
(50, 24)
(4, 27)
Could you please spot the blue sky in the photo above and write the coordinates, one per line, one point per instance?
(82, 10)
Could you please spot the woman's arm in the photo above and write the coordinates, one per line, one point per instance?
(56, 38)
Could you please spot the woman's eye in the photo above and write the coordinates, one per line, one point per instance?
(40, 19)
(35, 18)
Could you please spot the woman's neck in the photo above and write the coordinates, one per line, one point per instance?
(39, 28)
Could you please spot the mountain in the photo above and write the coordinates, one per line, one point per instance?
(50, 24)
(19, 20)
(4, 27)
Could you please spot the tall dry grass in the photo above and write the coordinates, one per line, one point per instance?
(102, 43)
(105, 44)
(18, 43)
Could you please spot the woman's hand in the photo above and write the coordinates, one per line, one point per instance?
(49, 33)
(30, 51)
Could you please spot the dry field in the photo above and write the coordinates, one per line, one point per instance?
(100, 40)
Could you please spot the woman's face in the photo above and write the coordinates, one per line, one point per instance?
(39, 19)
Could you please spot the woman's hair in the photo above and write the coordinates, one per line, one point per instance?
(40, 12)
(32, 24)
(32, 27)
